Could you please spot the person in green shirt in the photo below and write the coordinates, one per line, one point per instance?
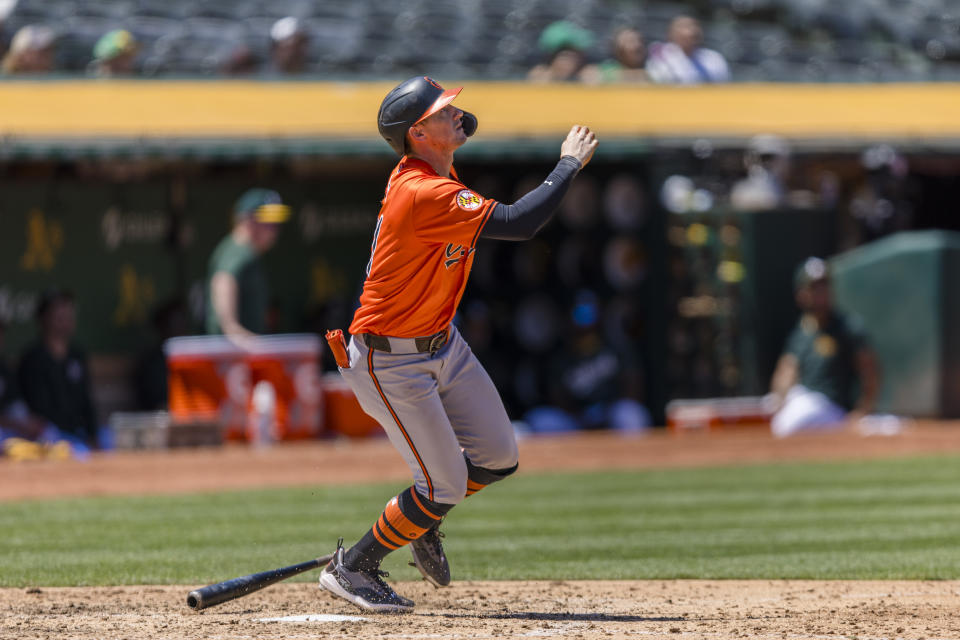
(828, 375)
(627, 64)
(238, 296)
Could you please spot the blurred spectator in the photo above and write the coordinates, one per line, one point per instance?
(239, 298)
(114, 54)
(566, 44)
(880, 204)
(169, 321)
(827, 358)
(55, 378)
(681, 60)
(627, 65)
(241, 61)
(31, 51)
(594, 386)
(767, 161)
(288, 42)
(23, 434)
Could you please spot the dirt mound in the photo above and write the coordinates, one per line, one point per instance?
(477, 610)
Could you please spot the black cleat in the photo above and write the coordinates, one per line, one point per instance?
(365, 589)
(429, 558)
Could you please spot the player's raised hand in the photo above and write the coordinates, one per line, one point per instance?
(580, 143)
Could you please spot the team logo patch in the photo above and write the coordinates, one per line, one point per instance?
(468, 200)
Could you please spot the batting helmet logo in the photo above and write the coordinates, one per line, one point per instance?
(468, 200)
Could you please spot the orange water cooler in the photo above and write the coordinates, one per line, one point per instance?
(212, 380)
(291, 365)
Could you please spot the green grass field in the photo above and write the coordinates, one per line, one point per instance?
(863, 520)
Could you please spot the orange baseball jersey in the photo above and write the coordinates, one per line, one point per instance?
(422, 251)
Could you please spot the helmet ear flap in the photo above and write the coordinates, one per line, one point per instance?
(469, 123)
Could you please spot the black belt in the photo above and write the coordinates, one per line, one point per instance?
(427, 344)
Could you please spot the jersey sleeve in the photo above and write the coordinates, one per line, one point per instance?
(795, 342)
(446, 211)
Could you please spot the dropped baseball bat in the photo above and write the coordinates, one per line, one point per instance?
(227, 590)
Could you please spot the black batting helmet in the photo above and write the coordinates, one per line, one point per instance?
(409, 103)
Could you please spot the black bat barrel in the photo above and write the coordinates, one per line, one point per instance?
(215, 594)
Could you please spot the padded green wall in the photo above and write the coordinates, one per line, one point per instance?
(906, 289)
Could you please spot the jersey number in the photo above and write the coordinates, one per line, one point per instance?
(373, 247)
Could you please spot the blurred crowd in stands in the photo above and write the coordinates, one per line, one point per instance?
(591, 41)
(681, 59)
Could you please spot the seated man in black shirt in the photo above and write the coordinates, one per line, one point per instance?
(55, 378)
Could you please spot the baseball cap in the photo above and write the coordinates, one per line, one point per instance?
(564, 34)
(32, 37)
(261, 205)
(114, 43)
(285, 28)
(810, 271)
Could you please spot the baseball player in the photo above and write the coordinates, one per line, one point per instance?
(828, 374)
(407, 364)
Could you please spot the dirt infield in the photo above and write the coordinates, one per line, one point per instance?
(476, 610)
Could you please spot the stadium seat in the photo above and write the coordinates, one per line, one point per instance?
(215, 28)
(173, 9)
(223, 9)
(282, 8)
(148, 29)
(36, 11)
(333, 42)
(117, 9)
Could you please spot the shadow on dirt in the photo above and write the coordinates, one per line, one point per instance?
(563, 617)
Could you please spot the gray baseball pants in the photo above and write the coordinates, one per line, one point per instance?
(436, 409)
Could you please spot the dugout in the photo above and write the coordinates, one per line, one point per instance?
(123, 196)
